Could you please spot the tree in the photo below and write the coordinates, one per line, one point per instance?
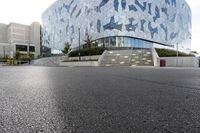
(66, 48)
(17, 54)
(6, 56)
(88, 42)
(30, 55)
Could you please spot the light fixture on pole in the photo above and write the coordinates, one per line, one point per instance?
(79, 53)
(177, 54)
(177, 49)
(4, 51)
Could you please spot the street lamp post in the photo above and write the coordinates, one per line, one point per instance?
(177, 55)
(29, 60)
(79, 54)
(4, 51)
(177, 49)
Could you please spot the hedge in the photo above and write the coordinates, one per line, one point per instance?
(170, 53)
(87, 52)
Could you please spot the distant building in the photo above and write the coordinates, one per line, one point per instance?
(20, 37)
(46, 52)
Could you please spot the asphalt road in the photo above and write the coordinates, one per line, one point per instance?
(99, 100)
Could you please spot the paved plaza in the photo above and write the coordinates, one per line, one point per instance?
(99, 100)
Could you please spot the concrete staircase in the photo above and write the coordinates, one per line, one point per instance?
(141, 57)
(135, 57)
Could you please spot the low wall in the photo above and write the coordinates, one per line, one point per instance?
(101, 57)
(59, 61)
(155, 57)
(96, 57)
(181, 61)
(81, 63)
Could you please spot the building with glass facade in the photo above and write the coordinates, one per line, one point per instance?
(118, 23)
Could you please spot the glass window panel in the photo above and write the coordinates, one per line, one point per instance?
(21, 48)
(32, 49)
(136, 43)
(113, 41)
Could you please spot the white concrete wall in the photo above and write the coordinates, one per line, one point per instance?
(155, 57)
(35, 37)
(181, 61)
(86, 63)
(101, 57)
(85, 58)
(3, 33)
(19, 33)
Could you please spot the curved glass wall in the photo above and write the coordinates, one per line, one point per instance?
(122, 42)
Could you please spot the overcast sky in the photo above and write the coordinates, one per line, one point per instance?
(195, 6)
(27, 11)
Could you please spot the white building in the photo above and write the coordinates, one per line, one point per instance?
(20, 37)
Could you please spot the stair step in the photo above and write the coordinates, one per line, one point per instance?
(142, 57)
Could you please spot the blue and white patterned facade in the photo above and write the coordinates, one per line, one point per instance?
(160, 22)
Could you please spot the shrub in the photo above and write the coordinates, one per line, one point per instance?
(66, 48)
(17, 55)
(6, 56)
(170, 53)
(87, 52)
